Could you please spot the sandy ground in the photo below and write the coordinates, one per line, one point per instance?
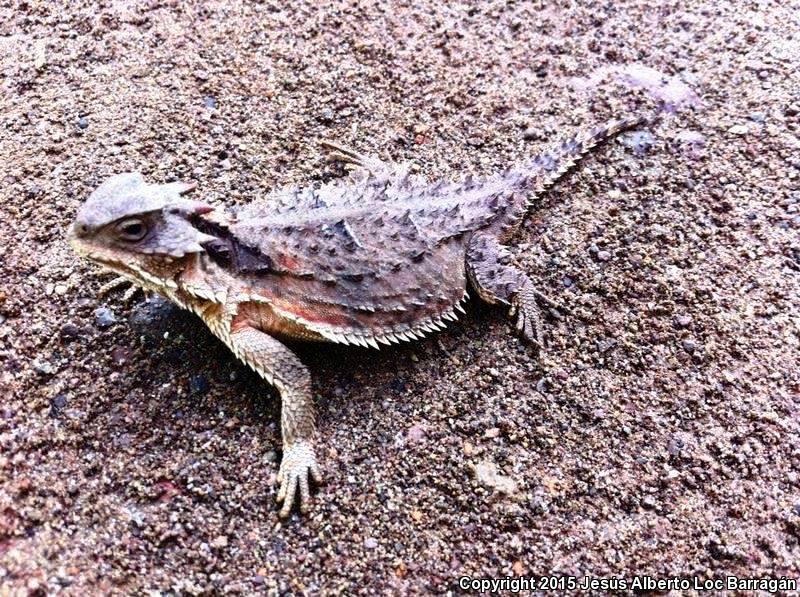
(659, 433)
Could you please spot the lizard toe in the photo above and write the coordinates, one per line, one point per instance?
(299, 463)
(527, 325)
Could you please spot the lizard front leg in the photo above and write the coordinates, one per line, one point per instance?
(361, 164)
(280, 367)
(351, 157)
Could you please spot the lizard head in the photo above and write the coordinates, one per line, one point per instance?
(139, 230)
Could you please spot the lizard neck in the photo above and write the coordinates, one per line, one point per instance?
(207, 291)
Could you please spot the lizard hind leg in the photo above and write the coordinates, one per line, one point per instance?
(497, 279)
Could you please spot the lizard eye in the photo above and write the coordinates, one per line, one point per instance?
(132, 229)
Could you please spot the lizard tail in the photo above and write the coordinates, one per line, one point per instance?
(543, 171)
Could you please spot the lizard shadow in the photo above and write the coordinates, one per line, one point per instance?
(344, 377)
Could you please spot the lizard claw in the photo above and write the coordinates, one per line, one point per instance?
(528, 320)
(299, 463)
(527, 328)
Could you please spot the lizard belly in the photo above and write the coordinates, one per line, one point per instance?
(263, 317)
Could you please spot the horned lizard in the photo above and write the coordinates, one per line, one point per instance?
(378, 258)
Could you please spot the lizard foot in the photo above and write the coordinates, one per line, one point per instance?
(346, 155)
(112, 285)
(528, 323)
(359, 164)
(116, 283)
(556, 308)
(525, 306)
(299, 463)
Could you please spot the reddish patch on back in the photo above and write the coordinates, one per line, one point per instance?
(288, 262)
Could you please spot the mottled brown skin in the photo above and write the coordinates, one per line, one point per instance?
(379, 258)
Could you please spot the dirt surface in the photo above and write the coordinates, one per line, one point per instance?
(658, 434)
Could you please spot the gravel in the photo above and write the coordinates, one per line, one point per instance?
(634, 444)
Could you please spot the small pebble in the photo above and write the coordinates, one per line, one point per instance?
(532, 134)
(220, 541)
(104, 317)
(691, 138)
(43, 367)
(683, 320)
(198, 385)
(739, 129)
(603, 256)
(370, 543)
(689, 345)
(57, 404)
(83, 122)
(639, 141)
(153, 317)
(326, 116)
(421, 128)
(415, 434)
(210, 102)
(120, 355)
(70, 332)
(488, 474)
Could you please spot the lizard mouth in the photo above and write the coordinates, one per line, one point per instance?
(86, 251)
(75, 243)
